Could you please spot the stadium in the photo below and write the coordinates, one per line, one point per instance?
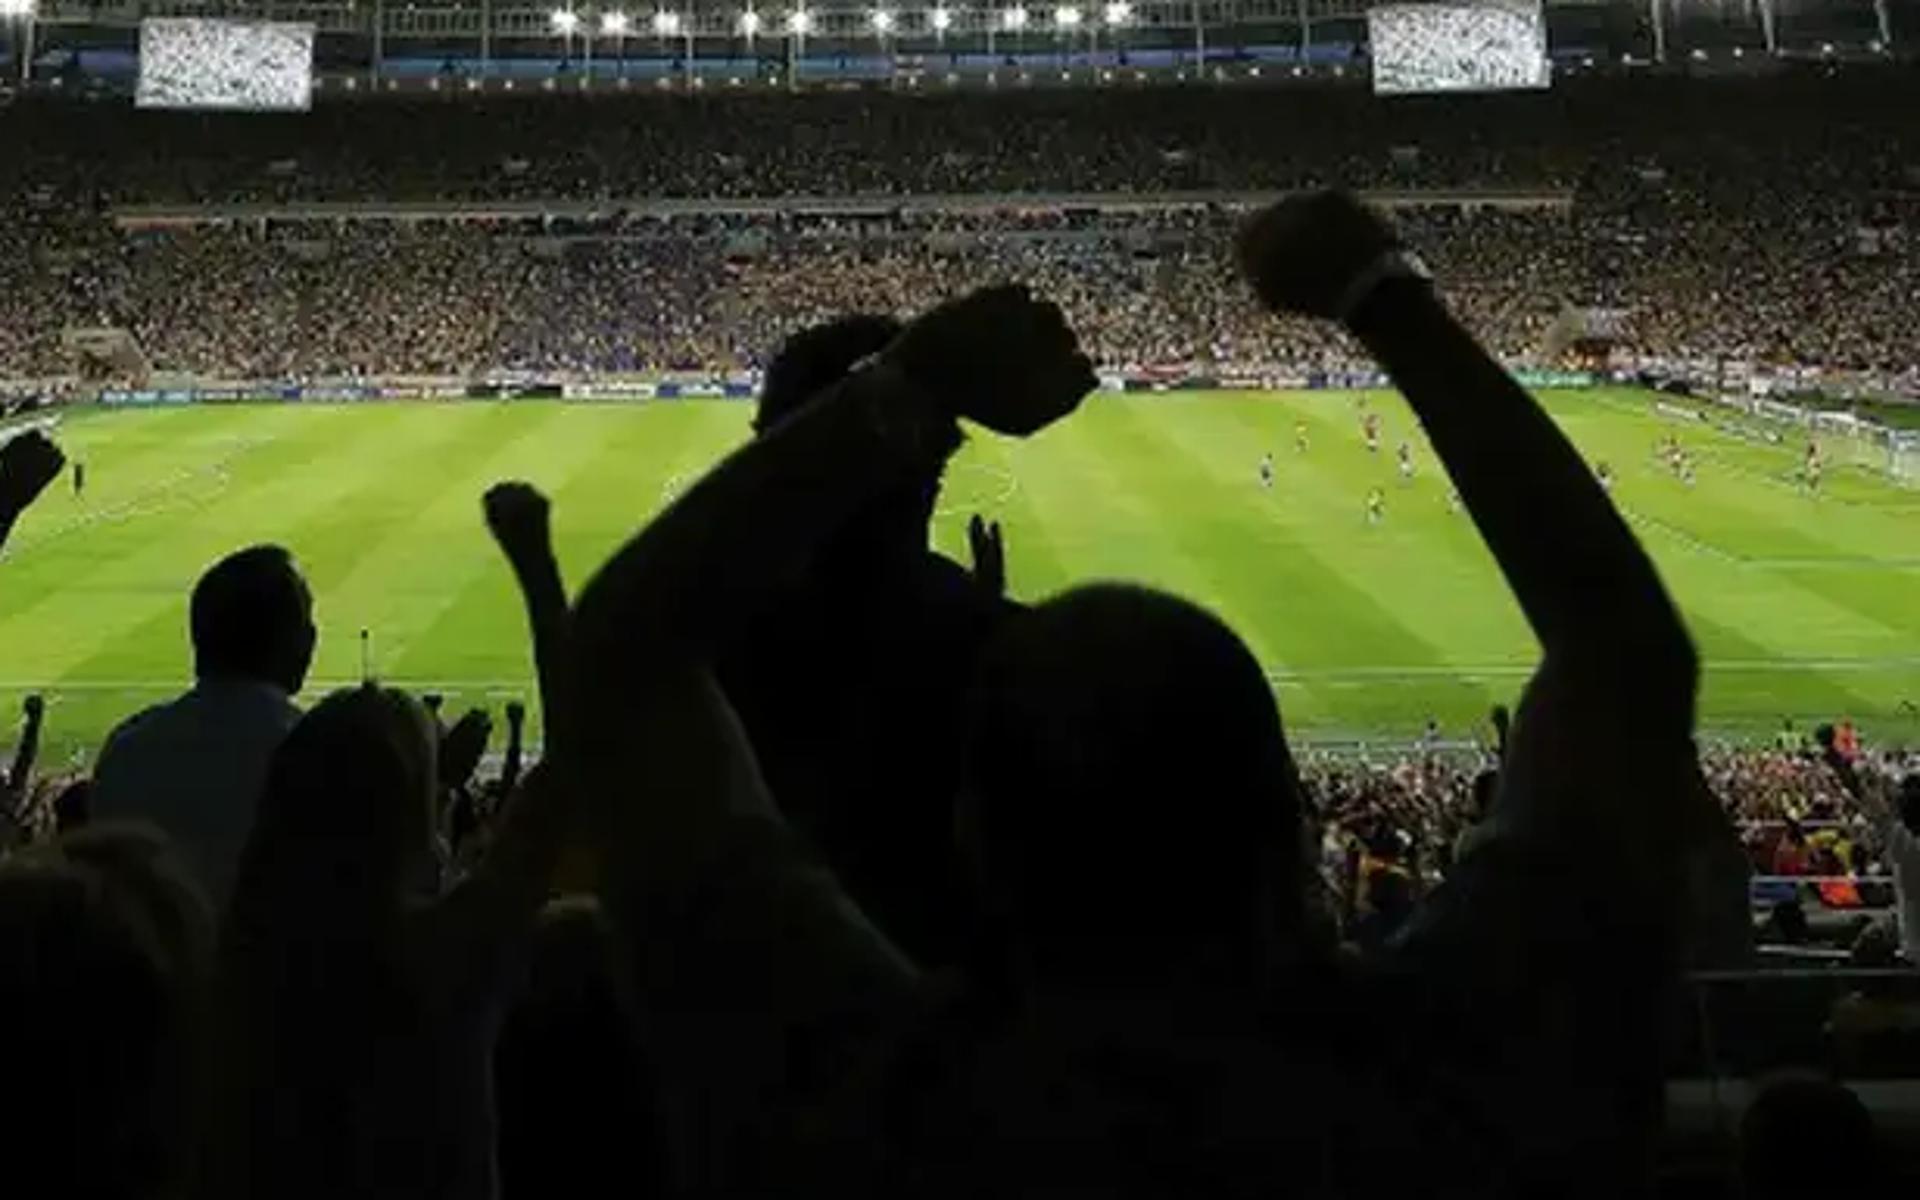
(702, 283)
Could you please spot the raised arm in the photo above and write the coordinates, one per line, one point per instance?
(1585, 585)
(725, 910)
(520, 519)
(21, 772)
(996, 356)
(28, 463)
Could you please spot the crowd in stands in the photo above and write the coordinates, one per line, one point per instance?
(844, 874)
(1752, 221)
(308, 299)
(1587, 134)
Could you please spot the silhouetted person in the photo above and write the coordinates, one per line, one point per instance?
(1125, 749)
(850, 676)
(360, 1001)
(1803, 1136)
(104, 945)
(194, 766)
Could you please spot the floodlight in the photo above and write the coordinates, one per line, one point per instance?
(564, 21)
(1739, 53)
(16, 8)
(613, 24)
(882, 20)
(665, 23)
(1826, 47)
(749, 22)
(942, 18)
(1014, 18)
(1698, 55)
(799, 21)
(1066, 16)
(1119, 12)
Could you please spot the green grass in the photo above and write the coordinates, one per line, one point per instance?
(1800, 605)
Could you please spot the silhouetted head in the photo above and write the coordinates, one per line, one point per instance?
(1130, 800)
(344, 829)
(1791, 1114)
(252, 619)
(103, 951)
(815, 359)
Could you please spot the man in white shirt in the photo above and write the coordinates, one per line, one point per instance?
(194, 766)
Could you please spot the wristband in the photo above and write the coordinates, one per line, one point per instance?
(1392, 263)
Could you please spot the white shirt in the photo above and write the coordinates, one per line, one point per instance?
(194, 767)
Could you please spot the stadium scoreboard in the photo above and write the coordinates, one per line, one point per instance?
(1458, 46)
(189, 62)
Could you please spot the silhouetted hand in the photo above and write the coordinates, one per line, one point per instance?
(999, 357)
(35, 707)
(516, 714)
(462, 747)
(989, 555)
(1303, 253)
(518, 516)
(28, 463)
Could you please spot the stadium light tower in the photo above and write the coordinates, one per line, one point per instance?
(882, 21)
(941, 19)
(613, 24)
(565, 21)
(1067, 17)
(666, 23)
(749, 24)
(799, 22)
(1014, 18)
(1119, 12)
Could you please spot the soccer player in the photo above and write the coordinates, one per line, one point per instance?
(79, 479)
(1370, 428)
(1406, 462)
(1686, 468)
(1266, 470)
(1376, 506)
(1300, 437)
(1811, 476)
(1603, 473)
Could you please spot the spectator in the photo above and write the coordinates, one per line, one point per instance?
(361, 993)
(104, 944)
(844, 675)
(194, 766)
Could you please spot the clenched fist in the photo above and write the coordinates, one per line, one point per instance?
(1304, 253)
(28, 463)
(518, 515)
(999, 357)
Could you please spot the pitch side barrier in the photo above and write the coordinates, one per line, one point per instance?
(737, 386)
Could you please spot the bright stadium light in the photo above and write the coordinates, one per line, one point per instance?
(942, 19)
(16, 8)
(1014, 18)
(749, 22)
(564, 21)
(882, 20)
(613, 24)
(1067, 17)
(1119, 12)
(665, 23)
(799, 21)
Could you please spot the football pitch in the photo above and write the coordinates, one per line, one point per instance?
(1801, 605)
